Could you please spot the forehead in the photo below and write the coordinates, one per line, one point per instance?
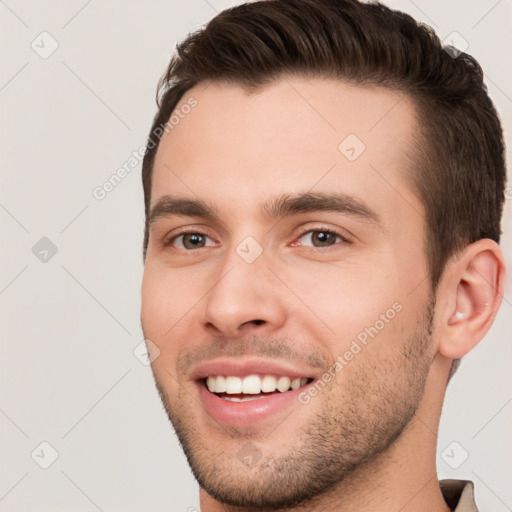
(293, 136)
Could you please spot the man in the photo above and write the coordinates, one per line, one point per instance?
(323, 189)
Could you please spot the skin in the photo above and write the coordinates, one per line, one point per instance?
(367, 441)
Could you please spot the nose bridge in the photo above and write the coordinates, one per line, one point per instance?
(243, 263)
(240, 273)
(243, 291)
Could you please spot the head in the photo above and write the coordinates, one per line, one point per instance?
(351, 120)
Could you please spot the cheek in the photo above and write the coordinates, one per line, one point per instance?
(167, 307)
(153, 303)
(168, 300)
(167, 290)
(369, 302)
(344, 296)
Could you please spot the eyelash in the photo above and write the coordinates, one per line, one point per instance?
(169, 240)
(331, 231)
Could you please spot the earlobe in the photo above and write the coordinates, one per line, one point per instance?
(475, 285)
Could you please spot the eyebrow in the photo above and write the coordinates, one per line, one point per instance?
(273, 209)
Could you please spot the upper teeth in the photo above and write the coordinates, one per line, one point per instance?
(252, 384)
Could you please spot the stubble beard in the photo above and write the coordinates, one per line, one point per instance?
(357, 422)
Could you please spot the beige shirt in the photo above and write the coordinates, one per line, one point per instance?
(459, 495)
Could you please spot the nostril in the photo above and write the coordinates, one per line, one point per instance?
(258, 322)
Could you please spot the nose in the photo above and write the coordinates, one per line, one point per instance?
(244, 298)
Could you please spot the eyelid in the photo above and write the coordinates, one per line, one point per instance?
(346, 236)
(170, 237)
(342, 233)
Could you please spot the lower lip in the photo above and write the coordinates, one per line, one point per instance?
(242, 414)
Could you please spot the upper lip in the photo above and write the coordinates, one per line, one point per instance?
(240, 367)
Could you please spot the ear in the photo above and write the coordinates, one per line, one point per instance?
(472, 289)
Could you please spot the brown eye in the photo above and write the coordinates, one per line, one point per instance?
(191, 241)
(320, 238)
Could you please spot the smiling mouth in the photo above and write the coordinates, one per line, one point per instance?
(252, 387)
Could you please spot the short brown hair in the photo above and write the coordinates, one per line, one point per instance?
(460, 176)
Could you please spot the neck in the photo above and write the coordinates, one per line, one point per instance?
(403, 478)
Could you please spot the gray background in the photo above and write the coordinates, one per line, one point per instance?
(70, 323)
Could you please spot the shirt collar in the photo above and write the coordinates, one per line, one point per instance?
(459, 495)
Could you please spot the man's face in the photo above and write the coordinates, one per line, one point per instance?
(303, 258)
